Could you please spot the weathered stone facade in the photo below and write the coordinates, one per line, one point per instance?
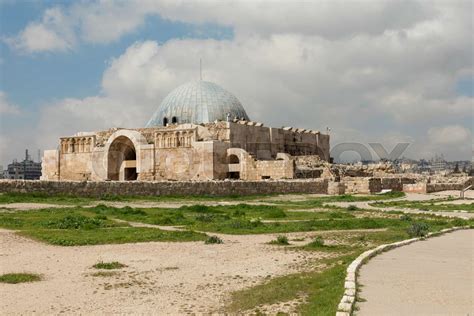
(239, 150)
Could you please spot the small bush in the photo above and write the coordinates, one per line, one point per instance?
(405, 218)
(214, 240)
(352, 208)
(14, 278)
(418, 229)
(281, 240)
(317, 242)
(109, 265)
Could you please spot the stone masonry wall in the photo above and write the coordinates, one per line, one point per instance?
(395, 184)
(362, 185)
(164, 188)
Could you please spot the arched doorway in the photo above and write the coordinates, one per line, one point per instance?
(165, 121)
(122, 160)
(234, 167)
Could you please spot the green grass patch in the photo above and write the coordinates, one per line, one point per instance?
(110, 236)
(68, 218)
(109, 265)
(38, 197)
(14, 278)
(323, 290)
(321, 202)
(431, 205)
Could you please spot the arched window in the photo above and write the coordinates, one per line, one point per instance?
(174, 120)
(233, 159)
(165, 121)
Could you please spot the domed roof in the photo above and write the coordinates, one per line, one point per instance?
(197, 102)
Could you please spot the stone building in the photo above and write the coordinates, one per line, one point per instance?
(199, 132)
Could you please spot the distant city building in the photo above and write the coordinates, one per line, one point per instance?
(26, 169)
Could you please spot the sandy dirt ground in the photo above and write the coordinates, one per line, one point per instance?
(432, 277)
(161, 277)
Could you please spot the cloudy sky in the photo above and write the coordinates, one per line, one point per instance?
(373, 71)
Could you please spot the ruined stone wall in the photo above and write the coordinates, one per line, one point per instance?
(265, 142)
(395, 184)
(75, 166)
(362, 185)
(419, 187)
(275, 169)
(49, 165)
(165, 188)
(430, 187)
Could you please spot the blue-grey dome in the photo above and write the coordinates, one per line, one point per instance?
(197, 102)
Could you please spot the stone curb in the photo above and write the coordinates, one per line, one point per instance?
(346, 305)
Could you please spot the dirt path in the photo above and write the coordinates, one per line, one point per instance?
(432, 277)
(173, 278)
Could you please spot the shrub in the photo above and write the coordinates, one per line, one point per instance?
(317, 242)
(352, 208)
(418, 229)
(281, 240)
(213, 240)
(14, 278)
(109, 265)
(405, 218)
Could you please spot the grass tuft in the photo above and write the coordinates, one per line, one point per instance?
(317, 242)
(109, 265)
(280, 240)
(213, 240)
(352, 208)
(14, 278)
(419, 229)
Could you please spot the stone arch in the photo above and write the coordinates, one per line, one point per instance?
(235, 160)
(122, 153)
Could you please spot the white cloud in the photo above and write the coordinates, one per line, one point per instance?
(377, 71)
(450, 135)
(105, 21)
(6, 107)
(53, 33)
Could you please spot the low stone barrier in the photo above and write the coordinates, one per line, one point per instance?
(164, 188)
(346, 305)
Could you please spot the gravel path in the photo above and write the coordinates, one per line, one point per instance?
(432, 277)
